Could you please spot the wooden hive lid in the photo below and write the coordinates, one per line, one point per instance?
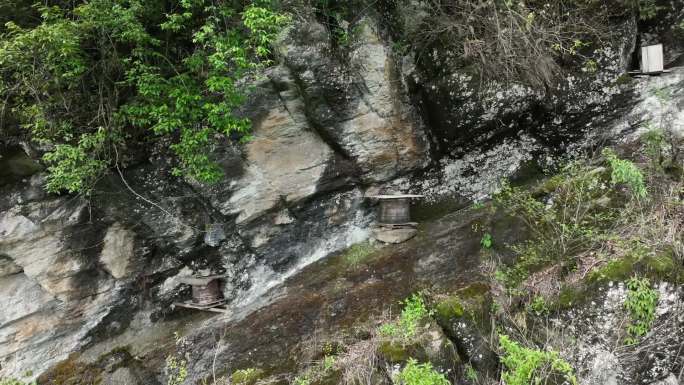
(199, 281)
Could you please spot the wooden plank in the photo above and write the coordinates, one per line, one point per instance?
(216, 309)
(402, 196)
(398, 225)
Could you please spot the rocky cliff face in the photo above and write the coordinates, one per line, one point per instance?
(86, 274)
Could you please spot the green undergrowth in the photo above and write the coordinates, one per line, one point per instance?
(247, 376)
(322, 372)
(415, 373)
(399, 338)
(526, 366)
(413, 313)
(581, 209)
(573, 216)
(471, 302)
(641, 303)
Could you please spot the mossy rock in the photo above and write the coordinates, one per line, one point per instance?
(72, 371)
(451, 307)
(430, 344)
(247, 376)
(393, 351)
(663, 266)
(464, 317)
(472, 302)
(570, 296)
(659, 267)
(615, 270)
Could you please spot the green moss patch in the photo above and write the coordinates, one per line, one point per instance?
(393, 351)
(471, 300)
(358, 254)
(450, 308)
(659, 267)
(615, 270)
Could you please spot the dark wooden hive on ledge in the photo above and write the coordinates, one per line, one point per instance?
(206, 293)
(394, 218)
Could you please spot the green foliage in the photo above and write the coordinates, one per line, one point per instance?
(176, 370)
(641, 302)
(420, 374)
(627, 173)
(301, 380)
(74, 167)
(590, 66)
(486, 241)
(648, 9)
(329, 362)
(87, 76)
(406, 327)
(471, 373)
(654, 139)
(336, 15)
(247, 376)
(576, 214)
(538, 306)
(525, 366)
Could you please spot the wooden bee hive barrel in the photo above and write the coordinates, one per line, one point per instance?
(394, 211)
(205, 290)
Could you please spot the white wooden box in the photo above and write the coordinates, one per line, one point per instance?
(652, 59)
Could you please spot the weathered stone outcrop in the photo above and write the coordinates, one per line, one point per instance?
(92, 273)
(355, 102)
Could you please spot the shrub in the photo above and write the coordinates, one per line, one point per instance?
(627, 173)
(538, 306)
(406, 327)
(641, 302)
(83, 78)
(574, 216)
(525, 366)
(247, 376)
(176, 370)
(654, 139)
(420, 374)
(486, 241)
(301, 380)
(471, 373)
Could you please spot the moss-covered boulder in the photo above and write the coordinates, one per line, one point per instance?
(430, 344)
(464, 317)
